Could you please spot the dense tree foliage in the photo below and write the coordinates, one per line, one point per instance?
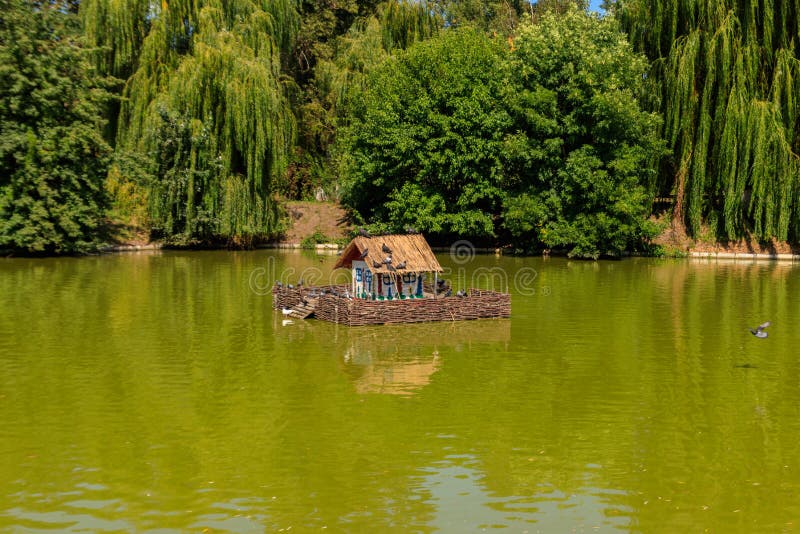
(237, 78)
(591, 185)
(53, 158)
(339, 78)
(501, 17)
(504, 121)
(727, 76)
(427, 145)
(217, 65)
(543, 141)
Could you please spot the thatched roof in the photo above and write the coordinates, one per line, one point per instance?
(411, 249)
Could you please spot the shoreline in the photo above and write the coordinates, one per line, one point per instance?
(743, 256)
(691, 254)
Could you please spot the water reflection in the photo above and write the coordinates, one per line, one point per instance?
(399, 374)
(394, 359)
(455, 487)
(158, 392)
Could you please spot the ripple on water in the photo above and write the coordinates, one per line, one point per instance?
(160, 393)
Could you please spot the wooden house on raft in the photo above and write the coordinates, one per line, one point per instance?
(390, 266)
(395, 279)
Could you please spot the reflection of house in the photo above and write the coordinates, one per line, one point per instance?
(377, 363)
(392, 376)
(394, 280)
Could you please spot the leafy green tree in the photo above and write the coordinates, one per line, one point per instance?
(427, 144)
(339, 76)
(501, 16)
(53, 158)
(541, 142)
(591, 188)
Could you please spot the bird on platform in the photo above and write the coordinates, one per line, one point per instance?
(391, 267)
(387, 260)
(411, 230)
(401, 265)
(364, 254)
(461, 293)
(278, 283)
(290, 286)
(287, 311)
(448, 293)
(759, 330)
(386, 249)
(300, 283)
(377, 264)
(363, 232)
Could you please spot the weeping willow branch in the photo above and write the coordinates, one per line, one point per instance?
(207, 91)
(729, 70)
(396, 25)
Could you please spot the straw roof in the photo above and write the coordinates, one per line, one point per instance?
(411, 249)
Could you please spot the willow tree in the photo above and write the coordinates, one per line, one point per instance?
(725, 76)
(210, 69)
(340, 79)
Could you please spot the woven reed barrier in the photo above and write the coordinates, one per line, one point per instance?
(284, 297)
(478, 304)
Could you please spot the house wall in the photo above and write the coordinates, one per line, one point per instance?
(365, 282)
(362, 278)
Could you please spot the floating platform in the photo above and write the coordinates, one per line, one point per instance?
(333, 303)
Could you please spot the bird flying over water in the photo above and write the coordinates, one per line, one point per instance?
(759, 330)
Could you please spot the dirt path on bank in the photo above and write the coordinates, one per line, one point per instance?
(307, 218)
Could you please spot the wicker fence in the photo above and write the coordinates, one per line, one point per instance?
(476, 305)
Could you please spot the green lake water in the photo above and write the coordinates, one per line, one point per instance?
(161, 393)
